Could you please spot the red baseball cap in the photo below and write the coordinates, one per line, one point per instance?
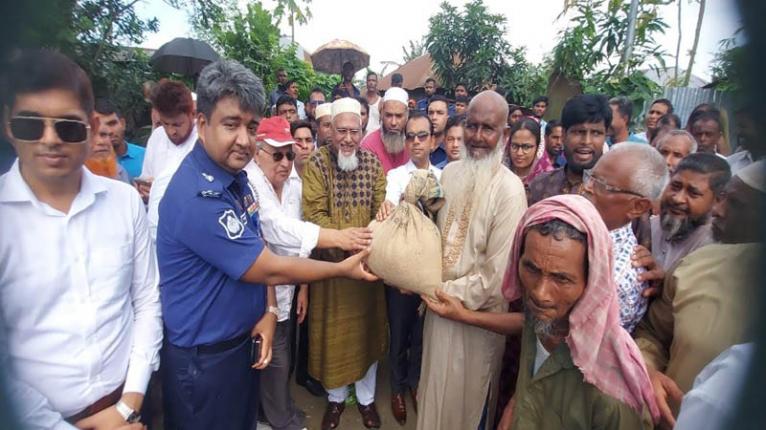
(275, 131)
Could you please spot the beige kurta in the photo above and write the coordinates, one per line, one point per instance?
(707, 305)
(347, 319)
(461, 363)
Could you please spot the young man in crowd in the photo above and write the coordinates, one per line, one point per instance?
(554, 147)
(102, 160)
(657, 110)
(287, 108)
(438, 113)
(129, 155)
(373, 101)
(619, 129)
(83, 337)
(430, 89)
(170, 143)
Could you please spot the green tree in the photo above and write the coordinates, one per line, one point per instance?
(294, 13)
(728, 65)
(468, 46)
(252, 38)
(97, 34)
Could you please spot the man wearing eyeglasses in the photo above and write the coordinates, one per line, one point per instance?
(278, 188)
(344, 187)
(623, 186)
(80, 311)
(316, 98)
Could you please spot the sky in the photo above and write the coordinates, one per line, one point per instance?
(383, 27)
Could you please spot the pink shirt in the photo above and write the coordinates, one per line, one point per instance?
(374, 143)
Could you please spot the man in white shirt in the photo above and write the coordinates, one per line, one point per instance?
(278, 189)
(406, 326)
(80, 305)
(170, 143)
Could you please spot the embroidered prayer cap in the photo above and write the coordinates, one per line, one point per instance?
(754, 175)
(323, 110)
(396, 94)
(346, 105)
(275, 131)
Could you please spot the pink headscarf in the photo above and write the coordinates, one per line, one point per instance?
(603, 351)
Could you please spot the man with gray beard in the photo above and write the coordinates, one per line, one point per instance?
(484, 202)
(344, 187)
(685, 206)
(387, 143)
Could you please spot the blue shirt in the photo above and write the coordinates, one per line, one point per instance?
(439, 157)
(423, 104)
(631, 138)
(132, 160)
(208, 236)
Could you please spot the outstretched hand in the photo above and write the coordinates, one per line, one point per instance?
(354, 267)
(446, 306)
(354, 238)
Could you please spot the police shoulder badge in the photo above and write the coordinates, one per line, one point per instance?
(231, 224)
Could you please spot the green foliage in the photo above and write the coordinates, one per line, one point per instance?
(522, 81)
(469, 46)
(252, 38)
(590, 49)
(728, 65)
(293, 11)
(95, 34)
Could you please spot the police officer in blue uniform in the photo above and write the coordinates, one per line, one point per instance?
(219, 316)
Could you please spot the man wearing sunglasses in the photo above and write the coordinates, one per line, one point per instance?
(623, 186)
(80, 307)
(316, 98)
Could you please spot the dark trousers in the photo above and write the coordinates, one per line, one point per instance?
(277, 404)
(209, 390)
(301, 354)
(406, 346)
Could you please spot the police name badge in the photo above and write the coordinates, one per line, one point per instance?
(231, 224)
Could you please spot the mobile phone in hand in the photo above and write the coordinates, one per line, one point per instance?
(255, 349)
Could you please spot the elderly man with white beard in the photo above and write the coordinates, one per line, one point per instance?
(344, 187)
(484, 203)
(387, 143)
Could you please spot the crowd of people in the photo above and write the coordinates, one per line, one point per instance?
(592, 276)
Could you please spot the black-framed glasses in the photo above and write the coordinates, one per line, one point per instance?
(278, 156)
(316, 102)
(589, 178)
(32, 128)
(421, 137)
(524, 148)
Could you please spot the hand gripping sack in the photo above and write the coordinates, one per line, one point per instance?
(406, 249)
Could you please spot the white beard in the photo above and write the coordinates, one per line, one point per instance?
(347, 163)
(473, 177)
(393, 142)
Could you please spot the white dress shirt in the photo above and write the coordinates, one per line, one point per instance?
(80, 308)
(162, 152)
(159, 186)
(398, 178)
(281, 224)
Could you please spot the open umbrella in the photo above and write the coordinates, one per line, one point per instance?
(184, 56)
(331, 56)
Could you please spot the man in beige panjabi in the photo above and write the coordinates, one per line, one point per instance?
(484, 202)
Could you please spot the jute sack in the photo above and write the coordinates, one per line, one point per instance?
(406, 249)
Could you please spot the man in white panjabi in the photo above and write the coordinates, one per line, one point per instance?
(484, 203)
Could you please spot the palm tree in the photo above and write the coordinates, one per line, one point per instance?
(295, 13)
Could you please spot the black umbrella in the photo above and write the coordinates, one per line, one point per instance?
(184, 56)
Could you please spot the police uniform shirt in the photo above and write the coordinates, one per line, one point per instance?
(207, 237)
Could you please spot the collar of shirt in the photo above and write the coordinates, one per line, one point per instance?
(15, 189)
(213, 175)
(130, 152)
